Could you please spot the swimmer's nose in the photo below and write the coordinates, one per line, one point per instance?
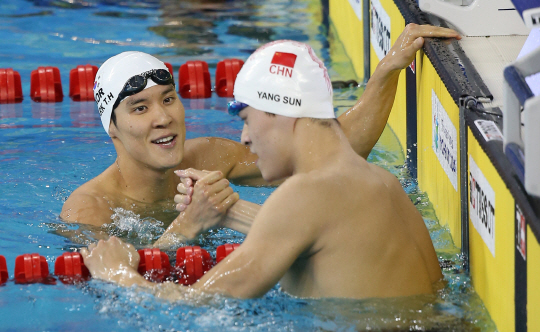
(245, 137)
(162, 118)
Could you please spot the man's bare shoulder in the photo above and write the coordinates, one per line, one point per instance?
(200, 141)
(290, 215)
(202, 152)
(220, 154)
(301, 194)
(90, 203)
(386, 179)
(210, 144)
(352, 190)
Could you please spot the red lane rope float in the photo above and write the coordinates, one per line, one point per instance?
(81, 82)
(226, 72)
(224, 250)
(194, 80)
(192, 263)
(32, 268)
(70, 268)
(10, 86)
(154, 265)
(169, 66)
(4, 276)
(46, 85)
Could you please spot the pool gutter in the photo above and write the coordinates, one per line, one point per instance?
(443, 92)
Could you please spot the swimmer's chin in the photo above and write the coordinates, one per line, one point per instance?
(273, 178)
(172, 165)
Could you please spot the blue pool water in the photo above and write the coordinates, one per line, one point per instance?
(48, 150)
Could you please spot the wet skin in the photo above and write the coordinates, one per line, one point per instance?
(142, 179)
(311, 225)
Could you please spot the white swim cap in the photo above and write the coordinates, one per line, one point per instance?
(113, 75)
(285, 77)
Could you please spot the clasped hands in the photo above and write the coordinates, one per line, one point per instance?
(203, 200)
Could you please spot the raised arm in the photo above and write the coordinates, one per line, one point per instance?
(364, 123)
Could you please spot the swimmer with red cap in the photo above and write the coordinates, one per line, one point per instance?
(336, 227)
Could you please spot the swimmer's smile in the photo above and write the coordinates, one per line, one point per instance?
(166, 142)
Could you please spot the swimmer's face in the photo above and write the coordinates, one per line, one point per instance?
(270, 138)
(150, 128)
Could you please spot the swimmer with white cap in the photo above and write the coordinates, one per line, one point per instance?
(337, 226)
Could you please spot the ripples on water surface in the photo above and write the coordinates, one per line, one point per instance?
(48, 150)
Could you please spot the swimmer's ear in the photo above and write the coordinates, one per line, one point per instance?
(112, 130)
(294, 124)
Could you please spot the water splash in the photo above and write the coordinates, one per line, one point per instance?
(129, 225)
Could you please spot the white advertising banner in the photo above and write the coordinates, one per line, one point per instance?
(482, 205)
(357, 7)
(380, 29)
(444, 142)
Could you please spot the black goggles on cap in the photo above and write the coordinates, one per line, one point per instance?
(137, 83)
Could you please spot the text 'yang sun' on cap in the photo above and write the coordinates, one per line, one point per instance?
(286, 78)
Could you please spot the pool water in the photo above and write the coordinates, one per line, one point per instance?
(48, 150)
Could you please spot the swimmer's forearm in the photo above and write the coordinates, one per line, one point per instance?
(241, 215)
(239, 218)
(174, 234)
(167, 290)
(170, 240)
(364, 123)
(170, 291)
(128, 277)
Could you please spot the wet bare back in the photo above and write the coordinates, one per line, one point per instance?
(343, 230)
(372, 240)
